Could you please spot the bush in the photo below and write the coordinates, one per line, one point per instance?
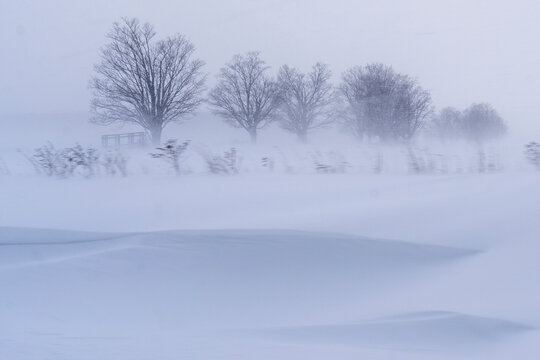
(268, 163)
(229, 163)
(114, 162)
(77, 160)
(172, 153)
(66, 162)
(332, 164)
(532, 153)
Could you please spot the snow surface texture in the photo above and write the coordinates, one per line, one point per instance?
(461, 282)
(232, 294)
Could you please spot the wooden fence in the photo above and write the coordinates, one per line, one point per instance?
(124, 140)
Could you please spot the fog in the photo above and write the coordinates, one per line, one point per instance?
(461, 51)
(399, 230)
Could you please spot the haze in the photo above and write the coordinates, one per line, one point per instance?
(280, 220)
(461, 51)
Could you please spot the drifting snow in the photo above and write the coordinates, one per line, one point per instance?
(442, 331)
(208, 294)
(462, 279)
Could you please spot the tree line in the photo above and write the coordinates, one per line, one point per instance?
(152, 83)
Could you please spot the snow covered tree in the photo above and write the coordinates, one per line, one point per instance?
(143, 81)
(245, 96)
(306, 99)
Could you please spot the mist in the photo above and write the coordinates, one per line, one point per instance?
(269, 179)
(462, 52)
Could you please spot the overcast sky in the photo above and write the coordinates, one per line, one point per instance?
(463, 51)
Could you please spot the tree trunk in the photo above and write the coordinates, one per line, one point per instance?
(155, 135)
(302, 136)
(253, 135)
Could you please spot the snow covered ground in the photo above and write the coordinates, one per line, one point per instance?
(270, 266)
(330, 249)
(282, 264)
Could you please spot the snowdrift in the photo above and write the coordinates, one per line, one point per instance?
(223, 294)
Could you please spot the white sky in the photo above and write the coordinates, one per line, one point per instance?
(462, 51)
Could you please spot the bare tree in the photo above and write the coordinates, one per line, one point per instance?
(481, 122)
(245, 96)
(412, 109)
(369, 95)
(143, 81)
(447, 124)
(477, 123)
(306, 99)
(384, 104)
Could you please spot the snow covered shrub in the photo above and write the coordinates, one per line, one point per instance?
(47, 160)
(65, 162)
(421, 161)
(232, 161)
(333, 163)
(532, 153)
(79, 158)
(326, 168)
(172, 153)
(229, 163)
(267, 163)
(114, 162)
